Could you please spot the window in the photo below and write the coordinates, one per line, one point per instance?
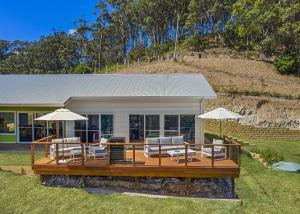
(187, 127)
(25, 127)
(40, 127)
(106, 125)
(31, 129)
(152, 125)
(136, 128)
(7, 122)
(171, 125)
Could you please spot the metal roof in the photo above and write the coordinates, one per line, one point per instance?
(55, 90)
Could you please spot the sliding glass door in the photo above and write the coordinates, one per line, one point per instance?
(80, 129)
(93, 128)
(152, 126)
(107, 124)
(187, 127)
(90, 131)
(136, 128)
(171, 125)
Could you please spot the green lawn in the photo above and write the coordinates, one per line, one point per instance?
(262, 190)
(17, 158)
(289, 149)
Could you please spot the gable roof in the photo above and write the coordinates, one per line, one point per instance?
(55, 90)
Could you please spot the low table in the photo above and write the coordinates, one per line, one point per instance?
(181, 152)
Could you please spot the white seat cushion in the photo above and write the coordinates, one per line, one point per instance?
(177, 140)
(165, 140)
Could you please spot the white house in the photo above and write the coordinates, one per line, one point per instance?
(134, 106)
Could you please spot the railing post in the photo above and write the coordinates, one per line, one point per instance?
(159, 154)
(212, 155)
(46, 149)
(108, 153)
(82, 154)
(185, 155)
(133, 153)
(57, 154)
(32, 153)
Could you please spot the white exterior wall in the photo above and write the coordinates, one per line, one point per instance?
(122, 108)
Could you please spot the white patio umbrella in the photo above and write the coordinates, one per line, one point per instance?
(61, 114)
(220, 114)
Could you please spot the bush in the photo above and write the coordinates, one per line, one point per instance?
(83, 68)
(287, 64)
(159, 49)
(193, 43)
(271, 156)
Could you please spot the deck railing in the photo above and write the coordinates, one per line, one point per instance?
(231, 146)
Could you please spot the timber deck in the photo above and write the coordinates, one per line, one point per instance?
(200, 166)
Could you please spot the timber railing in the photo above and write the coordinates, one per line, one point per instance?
(134, 154)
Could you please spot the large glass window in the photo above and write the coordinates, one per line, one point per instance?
(40, 127)
(187, 127)
(152, 126)
(171, 125)
(107, 125)
(31, 129)
(7, 122)
(52, 128)
(136, 128)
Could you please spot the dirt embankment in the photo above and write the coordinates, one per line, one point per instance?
(277, 103)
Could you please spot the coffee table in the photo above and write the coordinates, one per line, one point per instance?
(181, 152)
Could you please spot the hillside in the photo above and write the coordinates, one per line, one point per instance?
(251, 87)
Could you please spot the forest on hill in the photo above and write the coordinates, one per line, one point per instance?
(127, 30)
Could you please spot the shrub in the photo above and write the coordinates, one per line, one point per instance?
(271, 156)
(255, 150)
(193, 43)
(83, 68)
(287, 64)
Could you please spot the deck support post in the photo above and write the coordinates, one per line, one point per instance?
(187, 186)
(232, 188)
(136, 183)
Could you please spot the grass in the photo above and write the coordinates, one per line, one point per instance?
(17, 158)
(262, 190)
(289, 149)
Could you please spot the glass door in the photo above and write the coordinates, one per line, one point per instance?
(187, 127)
(152, 126)
(107, 125)
(171, 125)
(93, 128)
(136, 128)
(80, 129)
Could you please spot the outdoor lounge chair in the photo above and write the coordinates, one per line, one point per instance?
(98, 150)
(219, 151)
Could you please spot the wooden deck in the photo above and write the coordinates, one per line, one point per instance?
(200, 166)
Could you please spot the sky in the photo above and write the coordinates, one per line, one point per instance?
(28, 20)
